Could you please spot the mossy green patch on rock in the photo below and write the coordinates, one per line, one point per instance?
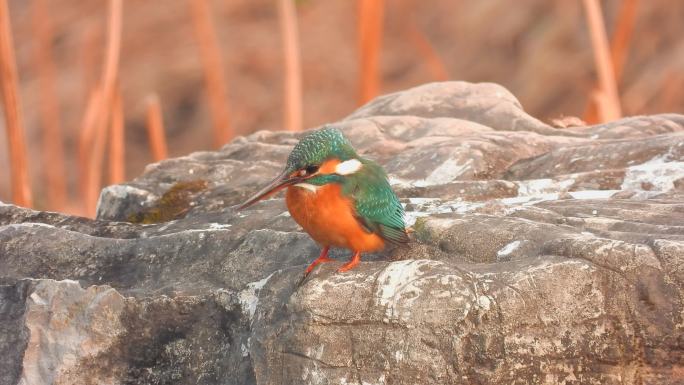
(419, 229)
(174, 204)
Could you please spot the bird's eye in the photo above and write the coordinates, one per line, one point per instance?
(311, 169)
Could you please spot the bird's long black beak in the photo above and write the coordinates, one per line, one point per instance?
(280, 182)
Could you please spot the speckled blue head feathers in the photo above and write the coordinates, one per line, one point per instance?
(317, 146)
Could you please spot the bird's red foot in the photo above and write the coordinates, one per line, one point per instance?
(321, 259)
(351, 264)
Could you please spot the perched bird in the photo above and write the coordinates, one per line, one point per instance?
(339, 198)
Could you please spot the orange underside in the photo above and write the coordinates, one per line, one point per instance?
(328, 217)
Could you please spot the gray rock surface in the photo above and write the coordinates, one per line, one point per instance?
(541, 256)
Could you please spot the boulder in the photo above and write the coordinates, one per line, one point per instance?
(540, 255)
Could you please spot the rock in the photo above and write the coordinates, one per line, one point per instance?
(541, 256)
(98, 336)
(68, 328)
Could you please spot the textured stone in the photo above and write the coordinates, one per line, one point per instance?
(540, 256)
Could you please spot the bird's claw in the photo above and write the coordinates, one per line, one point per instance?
(302, 280)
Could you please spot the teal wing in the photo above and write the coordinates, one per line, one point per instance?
(377, 206)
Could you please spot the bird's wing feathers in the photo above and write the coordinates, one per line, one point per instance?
(377, 207)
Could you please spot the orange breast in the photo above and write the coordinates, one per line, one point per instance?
(329, 218)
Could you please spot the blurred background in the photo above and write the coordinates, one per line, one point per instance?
(98, 101)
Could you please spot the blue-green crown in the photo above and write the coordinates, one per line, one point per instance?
(317, 146)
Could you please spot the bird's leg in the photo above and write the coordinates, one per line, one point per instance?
(321, 258)
(351, 264)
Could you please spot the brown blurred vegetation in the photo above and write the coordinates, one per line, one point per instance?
(540, 50)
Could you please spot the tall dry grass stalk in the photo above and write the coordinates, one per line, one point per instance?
(155, 128)
(370, 22)
(96, 162)
(212, 61)
(9, 80)
(89, 55)
(108, 86)
(117, 142)
(85, 139)
(608, 102)
(622, 36)
(54, 172)
(619, 48)
(293, 68)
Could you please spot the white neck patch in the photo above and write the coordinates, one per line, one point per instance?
(348, 167)
(308, 186)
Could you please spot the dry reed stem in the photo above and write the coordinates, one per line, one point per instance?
(117, 142)
(108, 84)
(619, 47)
(155, 129)
(90, 49)
(370, 21)
(9, 80)
(622, 36)
(428, 52)
(293, 69)
(609, 108)
(85, 139)
(212, 62)
(600, 100)
(54, 172)
(91, 101)
(96, 161)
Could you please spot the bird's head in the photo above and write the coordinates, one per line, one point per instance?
(322, 156)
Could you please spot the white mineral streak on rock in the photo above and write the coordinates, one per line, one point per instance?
(534, 186)
(509, 248)
(398, 182)
(653, 177)
(401, 283)
(122, 191)
(530, 192)
(166, 226)
(249, 297)
(380, 381)
(314, 376)
(398, 285)
(213, 227)
(427, 206)
(422, 201)
(484, 302)
(29, 225)
(592, 194)
(446, 172)
(219, 226)
(542, 186)
(69, 325)
(398, 355)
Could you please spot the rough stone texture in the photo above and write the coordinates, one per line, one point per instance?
(541, 256)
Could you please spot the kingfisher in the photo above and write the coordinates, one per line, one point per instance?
(339, 198)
